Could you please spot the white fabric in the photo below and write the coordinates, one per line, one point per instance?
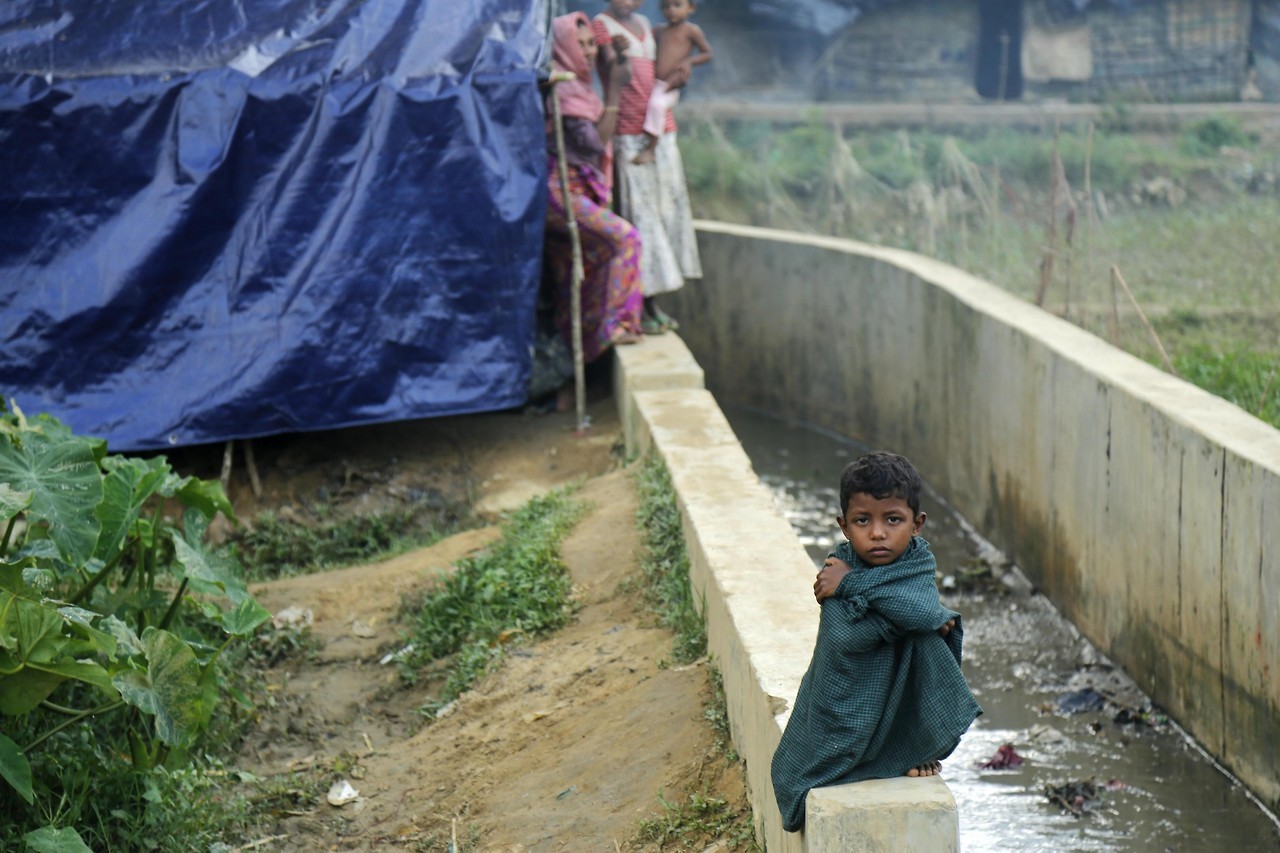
(654, 198)
(661, 100)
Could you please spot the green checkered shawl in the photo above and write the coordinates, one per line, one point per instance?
(884, 692)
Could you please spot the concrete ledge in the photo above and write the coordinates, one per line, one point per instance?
(883, 816)
(754, 581)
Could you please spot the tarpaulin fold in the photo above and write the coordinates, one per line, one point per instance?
(231, 218)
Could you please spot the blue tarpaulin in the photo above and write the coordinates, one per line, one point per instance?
(230, 218)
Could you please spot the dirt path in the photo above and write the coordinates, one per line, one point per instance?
(566, 747)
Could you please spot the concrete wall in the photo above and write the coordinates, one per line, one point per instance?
(754, 583)
(1148, 510)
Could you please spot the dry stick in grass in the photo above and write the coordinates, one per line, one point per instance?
(1091, 222)
(1164, 356)
(1051, 246)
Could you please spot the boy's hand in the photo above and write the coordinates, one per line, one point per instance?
(946, 629)
(829, 577)
(680, 75)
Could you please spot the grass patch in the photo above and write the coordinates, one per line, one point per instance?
(689, 825)
(1245, 378)
(1190, 218)
(280, 547)
(664, 563)
(518, 588)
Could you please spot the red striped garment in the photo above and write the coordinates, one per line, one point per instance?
(641, 53)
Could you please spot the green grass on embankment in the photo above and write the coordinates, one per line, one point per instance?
(1189, 218)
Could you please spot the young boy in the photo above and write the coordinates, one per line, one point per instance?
(884, 695)
(677, 41)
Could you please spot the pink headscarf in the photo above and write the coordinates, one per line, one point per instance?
(577, 97)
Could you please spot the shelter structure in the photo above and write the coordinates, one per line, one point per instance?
(241, 217)
(944, 50)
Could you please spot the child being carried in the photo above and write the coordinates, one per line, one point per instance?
(677, 41)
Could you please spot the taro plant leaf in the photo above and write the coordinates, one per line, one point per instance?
(90, 640)
(62, 475)
(48, 839)
(23, 691)
(12, 501)
(125, 490)
(204, 495)
(127, 642)
(35, 655)
(172, 688)
(245, 618)
(208, 572)
(15, 769)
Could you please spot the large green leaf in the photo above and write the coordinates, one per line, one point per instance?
(245, 618)
(208, 497)
(29, 630)
(23, 691)
(36, 656)
(48, 839)
(15, 769)
(12, 501)
(171, 688)
(206, 571)
(61, 472)
(125, 490)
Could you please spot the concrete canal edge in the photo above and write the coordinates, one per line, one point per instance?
(754, 581)
(1145, 508)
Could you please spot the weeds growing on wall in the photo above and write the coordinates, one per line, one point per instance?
(1191, 218)
(515, 590)
(664, 562)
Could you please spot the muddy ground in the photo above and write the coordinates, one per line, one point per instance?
(566, 747)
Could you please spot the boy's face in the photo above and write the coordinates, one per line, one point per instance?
(676, 11)
(879, 529)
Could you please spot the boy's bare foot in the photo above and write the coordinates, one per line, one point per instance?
(645, 156)
(929, 768)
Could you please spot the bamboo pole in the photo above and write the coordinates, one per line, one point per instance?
(1164, 356)
(579, 374)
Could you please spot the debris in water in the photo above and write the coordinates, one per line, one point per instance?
(1147, 716)
(1081, 796)
(1004, 758)
(1080, 701)
(1074, 797)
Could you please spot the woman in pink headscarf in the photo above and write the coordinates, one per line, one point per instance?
(612, 300)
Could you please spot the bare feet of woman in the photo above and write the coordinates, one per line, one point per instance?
(625, 338)
(929, 768)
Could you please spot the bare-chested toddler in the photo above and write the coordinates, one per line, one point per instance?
(678, 40)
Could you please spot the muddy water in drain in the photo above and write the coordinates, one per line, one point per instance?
(1021, 656)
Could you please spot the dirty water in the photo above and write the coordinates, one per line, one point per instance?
(1139, 786)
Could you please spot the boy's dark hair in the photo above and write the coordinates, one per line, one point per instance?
(881, 474)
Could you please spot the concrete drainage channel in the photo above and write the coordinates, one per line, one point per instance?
(1138, 503)
(759, 613)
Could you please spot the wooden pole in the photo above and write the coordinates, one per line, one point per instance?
(228, 450)
(579, 374)
(249, 463)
